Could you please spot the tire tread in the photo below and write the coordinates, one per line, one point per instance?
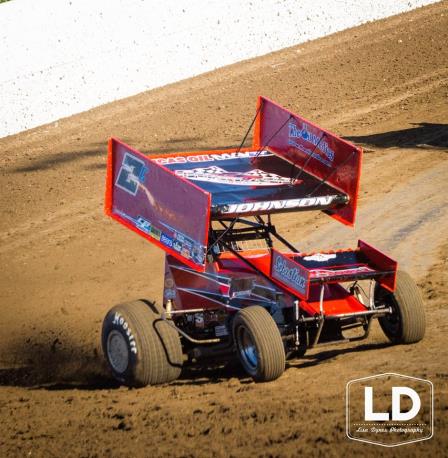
(161, 356)
(411, 309)
(267, 339)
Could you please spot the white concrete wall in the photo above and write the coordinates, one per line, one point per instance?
(60, 57)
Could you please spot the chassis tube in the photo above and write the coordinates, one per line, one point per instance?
(184, 334)
(378, 312)
(321, 315)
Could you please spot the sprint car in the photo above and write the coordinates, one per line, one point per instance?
(234, 287)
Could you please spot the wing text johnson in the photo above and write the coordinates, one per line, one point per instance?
(279, 204)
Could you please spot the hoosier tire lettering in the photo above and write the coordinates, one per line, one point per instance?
(141, 348)
(118, 319)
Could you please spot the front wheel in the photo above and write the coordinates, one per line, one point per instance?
(259, 344)
(140, 348)
(406, 324)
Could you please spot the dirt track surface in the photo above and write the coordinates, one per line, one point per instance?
(63, 264)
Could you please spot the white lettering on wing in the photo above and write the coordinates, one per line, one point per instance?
(290, 274)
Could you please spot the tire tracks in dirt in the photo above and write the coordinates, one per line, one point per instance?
(53, 298)
(423, 84)
(38, 228)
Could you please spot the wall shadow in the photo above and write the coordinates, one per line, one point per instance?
(99, 150)
(423, 135)
(52, 161)
(167, 148)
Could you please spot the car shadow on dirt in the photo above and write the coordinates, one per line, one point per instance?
(325, 356)
(75, 368)
(423, 135)
(28, 377)
(207, 375)
(43, 364)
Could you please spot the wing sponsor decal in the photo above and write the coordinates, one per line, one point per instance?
(166, 240)
(143, 224)
(187, 247)
(215, 174)
(306, 202)
(320, 257)
(184, 159)
(290, 273)
(155, 233)
(298, 134)
(175, 240)
(322, 273)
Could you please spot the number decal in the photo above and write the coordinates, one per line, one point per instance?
(132, 172)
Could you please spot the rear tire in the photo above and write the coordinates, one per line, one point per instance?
(139, 347)
(407, 323)
(259, 344)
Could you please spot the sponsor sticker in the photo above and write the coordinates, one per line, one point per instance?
(210, 157)
(198, 254)
(169, 293)
(143, 224)
(215, 174)
(319, 257)
(166, 240)
(290, 273)
(156, 233)
(301, 133)
(331, 272)
(185, 252)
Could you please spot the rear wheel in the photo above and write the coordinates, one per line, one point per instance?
(140, 348)
(259, 344)
(407, 322)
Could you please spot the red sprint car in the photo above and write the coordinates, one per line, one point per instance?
(235, 287)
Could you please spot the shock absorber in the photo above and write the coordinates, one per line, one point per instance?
(296, 310)
(168, 309)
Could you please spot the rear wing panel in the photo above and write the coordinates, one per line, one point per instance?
(299, 272)
(152, 201)
(319, 152)
(381, 262)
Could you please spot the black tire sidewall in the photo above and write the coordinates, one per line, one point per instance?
(239, 324)
(393, 334)
(408, 307)
(117, 320)
(265, 336)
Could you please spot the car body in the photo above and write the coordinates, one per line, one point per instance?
(233, 284)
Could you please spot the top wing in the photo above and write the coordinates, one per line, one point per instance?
(149, 199)
(316, 151)
(240, 186)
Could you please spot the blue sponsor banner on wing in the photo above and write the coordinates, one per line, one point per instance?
(291, 274)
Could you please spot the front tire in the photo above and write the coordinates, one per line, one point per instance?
(259, 344)
(407, 322)
(140, 348)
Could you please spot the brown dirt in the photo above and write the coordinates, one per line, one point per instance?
(384, 85)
